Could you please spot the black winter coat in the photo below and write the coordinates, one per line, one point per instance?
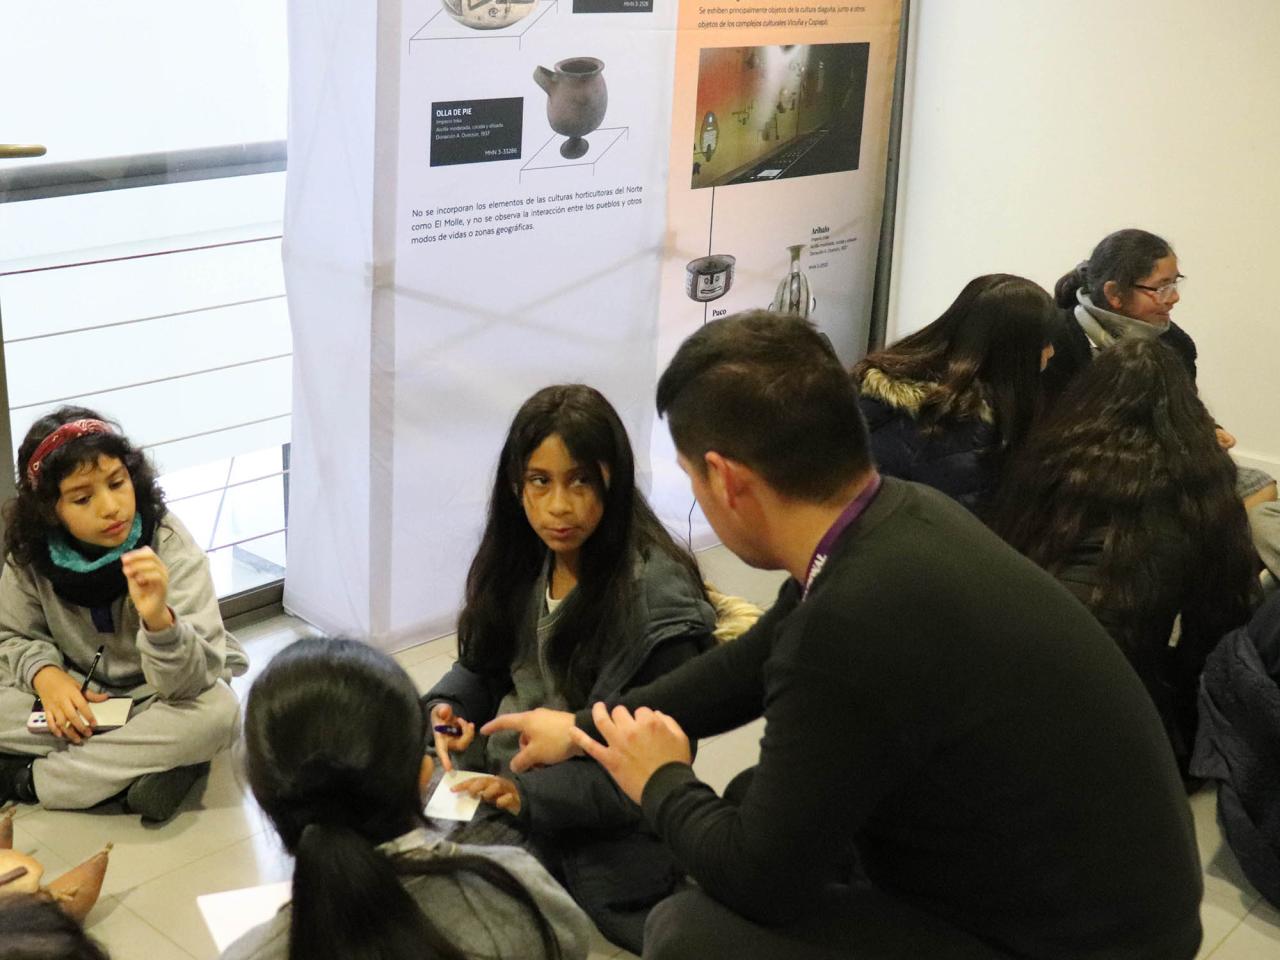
(1239, 743)
(955, 456)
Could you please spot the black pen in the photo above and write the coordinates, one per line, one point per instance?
(92, 667)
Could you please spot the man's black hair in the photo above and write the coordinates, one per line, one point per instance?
(768, 391)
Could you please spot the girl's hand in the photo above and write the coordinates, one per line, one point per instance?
(148, 580)
(67, 710)
(496, 791)
(442, 716)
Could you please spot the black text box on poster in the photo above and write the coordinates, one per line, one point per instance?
(476, 131)
(613, 6)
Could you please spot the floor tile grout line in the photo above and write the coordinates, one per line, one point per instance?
(121, 905)
(1227, 936)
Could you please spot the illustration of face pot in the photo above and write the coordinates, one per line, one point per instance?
(488, 14)
(576, 100)
(708, 278)
(792, 295)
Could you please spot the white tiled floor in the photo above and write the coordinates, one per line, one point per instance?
(220, 841)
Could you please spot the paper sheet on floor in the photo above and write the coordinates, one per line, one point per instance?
(231, 914)
(446, 805)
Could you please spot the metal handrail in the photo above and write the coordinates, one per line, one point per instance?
(40, 181)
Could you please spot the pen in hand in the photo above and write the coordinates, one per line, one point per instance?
(92, 667)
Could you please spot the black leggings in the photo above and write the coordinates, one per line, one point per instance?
(850, 922)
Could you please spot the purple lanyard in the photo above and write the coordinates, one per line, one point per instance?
(849, 514)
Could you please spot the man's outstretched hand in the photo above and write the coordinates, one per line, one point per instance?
(544, 737)
(637, 745)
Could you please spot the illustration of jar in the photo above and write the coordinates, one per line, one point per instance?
(576, 100)
(792, 295)
(709, 278)
(488, 14)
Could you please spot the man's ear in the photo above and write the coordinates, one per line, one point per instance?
(1111, 290)
(728, 479)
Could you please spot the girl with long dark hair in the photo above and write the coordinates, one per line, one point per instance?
(334, 754)
(576, 594)
(1125, 495)
(99, 578)
(947, 404)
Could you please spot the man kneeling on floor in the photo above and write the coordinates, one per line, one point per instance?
(941, 717)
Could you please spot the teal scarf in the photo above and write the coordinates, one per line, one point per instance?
(64, 555)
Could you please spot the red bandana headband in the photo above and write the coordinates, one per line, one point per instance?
(60, 438)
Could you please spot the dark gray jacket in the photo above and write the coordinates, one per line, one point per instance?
(611, 864)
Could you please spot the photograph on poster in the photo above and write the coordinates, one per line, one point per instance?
(792, 295)
(489, 14)
(709, 278)
(476, 20)
(576, 101)
(769, 113)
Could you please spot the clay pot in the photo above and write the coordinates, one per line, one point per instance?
(576, 100)
(23, 873)
(708, 278)
(489, 14)
(792, 295)
(77, 890)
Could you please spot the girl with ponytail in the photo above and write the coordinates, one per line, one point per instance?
(334, 754)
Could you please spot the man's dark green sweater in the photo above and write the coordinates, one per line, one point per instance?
(945, 709)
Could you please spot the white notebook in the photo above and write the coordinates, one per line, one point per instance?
(447, 805)
(233, 913)
(111, 714)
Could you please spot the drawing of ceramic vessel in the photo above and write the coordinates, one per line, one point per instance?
(792, 295)
(708, 278)
(576, 100)
(488, 14)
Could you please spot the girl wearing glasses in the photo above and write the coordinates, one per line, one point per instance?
(1127, 288)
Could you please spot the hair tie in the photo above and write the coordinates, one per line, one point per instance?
(60, 438)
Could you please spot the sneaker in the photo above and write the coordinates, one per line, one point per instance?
(156, 796)
(15, 778)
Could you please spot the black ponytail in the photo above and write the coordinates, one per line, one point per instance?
(1123, 257)
(348, 902)
(334, 741)
(1064, 291)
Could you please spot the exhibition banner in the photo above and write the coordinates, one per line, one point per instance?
(562, 191)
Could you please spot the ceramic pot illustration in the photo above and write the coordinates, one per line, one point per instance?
(708, 278)
(792, 295)
(576, 100)
(488, 14)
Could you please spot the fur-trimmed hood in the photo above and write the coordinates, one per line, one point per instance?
(909, 395)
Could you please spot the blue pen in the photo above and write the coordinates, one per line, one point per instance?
(448, 729)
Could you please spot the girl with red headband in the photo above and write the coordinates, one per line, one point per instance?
(100, 579)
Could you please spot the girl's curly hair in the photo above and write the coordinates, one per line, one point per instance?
(1128, 441)
(30, 518)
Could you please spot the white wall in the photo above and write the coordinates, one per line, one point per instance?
(1034, 129)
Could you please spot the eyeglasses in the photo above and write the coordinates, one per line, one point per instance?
(1165, 291)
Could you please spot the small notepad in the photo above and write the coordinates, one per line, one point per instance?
(447, 805)
(233, 913)
(111, 714)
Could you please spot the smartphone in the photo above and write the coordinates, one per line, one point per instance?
(37, 722)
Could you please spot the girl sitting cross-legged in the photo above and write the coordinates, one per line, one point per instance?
(99, 577)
